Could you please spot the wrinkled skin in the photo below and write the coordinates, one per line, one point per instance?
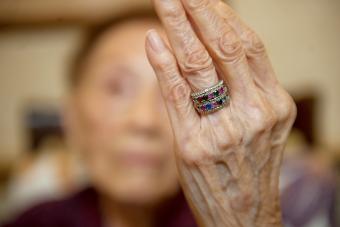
(228, 161)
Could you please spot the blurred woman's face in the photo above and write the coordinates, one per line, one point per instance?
(120, 121)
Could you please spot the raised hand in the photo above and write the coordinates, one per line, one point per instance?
(229, 160)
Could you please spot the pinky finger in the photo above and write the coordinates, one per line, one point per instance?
(175, 89)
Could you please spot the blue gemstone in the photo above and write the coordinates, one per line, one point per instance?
(208, 106)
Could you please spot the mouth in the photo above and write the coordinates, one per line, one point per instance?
(140, 159)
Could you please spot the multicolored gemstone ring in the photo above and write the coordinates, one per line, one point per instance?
(211, 99)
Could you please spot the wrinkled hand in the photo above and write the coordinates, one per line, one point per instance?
(228, 161)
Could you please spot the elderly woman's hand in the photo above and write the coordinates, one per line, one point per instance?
(228, 161)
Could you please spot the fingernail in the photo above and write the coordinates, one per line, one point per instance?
(155, 41)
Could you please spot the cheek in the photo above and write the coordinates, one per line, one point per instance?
(102, 116)
(101, 126)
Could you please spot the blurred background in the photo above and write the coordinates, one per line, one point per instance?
(38, 40)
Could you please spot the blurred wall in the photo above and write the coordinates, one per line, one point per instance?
(302, 38)
(33, 65)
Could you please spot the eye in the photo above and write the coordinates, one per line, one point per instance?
(115, 86)
(120, 83)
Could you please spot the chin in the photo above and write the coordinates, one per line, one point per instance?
(140, 197)
(140, 191)
(136, 186)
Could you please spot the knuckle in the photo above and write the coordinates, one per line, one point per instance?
(254, 43)
(165, 63)
(197, 5)
(268, 122)
(265, 123)
(194, 154)
(230, 143)
(226, 12)
(287, 110)
(291, 112)
(264, 119)
(197, 60)
(269, 118)
(174, 15)
(228, 138)
(178, 91)
(230, 47)
(199, 158)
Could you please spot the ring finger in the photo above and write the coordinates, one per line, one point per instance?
(224, 45)
(255, 50)
(193, 59)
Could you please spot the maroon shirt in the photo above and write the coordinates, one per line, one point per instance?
(82, 210)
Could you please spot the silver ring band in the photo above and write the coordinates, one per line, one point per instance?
(211, 99)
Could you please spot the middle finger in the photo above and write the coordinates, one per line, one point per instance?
(224, 45)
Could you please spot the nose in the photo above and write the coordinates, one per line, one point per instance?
(144, 116)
